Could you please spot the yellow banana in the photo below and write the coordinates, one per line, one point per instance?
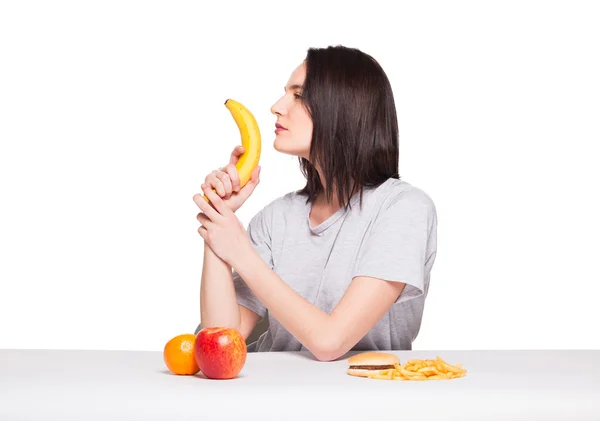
(251, 140)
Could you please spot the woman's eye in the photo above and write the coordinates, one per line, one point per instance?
(298, 96)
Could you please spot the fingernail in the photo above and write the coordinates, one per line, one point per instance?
(203, 186)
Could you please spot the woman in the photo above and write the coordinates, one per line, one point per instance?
(344, 263)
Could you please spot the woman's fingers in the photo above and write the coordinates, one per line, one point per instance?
(220, 208)
(203, 219)
(234, 177)
(214, 182)
(235, 155)
(203, 233)
(227, 184)
(205, 223)
(226, 180)
(204, 205)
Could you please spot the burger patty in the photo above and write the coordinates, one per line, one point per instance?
(372, 367)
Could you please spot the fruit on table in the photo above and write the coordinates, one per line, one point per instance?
(179, 355)
(220, 352)
(251, 140)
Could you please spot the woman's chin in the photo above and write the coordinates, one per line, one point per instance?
(280, 146)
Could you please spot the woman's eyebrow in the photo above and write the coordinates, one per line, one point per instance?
(293, 87)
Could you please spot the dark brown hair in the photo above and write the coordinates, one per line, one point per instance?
(355, 127)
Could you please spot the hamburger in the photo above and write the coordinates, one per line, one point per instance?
(370, 363)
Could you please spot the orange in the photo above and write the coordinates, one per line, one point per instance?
(179, 355)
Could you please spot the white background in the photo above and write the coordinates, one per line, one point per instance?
(111, 115)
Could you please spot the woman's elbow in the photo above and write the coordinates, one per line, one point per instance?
(329, 350)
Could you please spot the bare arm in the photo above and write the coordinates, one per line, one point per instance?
(327, 336)
(218, 301)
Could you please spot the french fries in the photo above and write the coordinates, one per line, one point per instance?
(437, 369)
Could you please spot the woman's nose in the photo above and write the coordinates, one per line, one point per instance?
(278, 108)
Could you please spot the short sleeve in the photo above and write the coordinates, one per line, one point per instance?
(259, 231)
(397, 246)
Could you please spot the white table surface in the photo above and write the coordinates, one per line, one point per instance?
(136, 385)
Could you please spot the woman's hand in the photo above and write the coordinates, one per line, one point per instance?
(220, 228)
(226, 182)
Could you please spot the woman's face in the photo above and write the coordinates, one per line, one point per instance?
(294, 126)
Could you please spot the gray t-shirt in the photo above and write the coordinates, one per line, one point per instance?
(393, 237)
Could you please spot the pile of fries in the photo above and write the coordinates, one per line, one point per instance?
(437, 369)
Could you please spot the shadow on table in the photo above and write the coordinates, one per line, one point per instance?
(199, 375)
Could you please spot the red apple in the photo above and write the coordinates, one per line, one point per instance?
(220, 352)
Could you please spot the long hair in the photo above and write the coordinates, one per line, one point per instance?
(355, 128)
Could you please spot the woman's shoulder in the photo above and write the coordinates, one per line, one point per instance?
(395, 193)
